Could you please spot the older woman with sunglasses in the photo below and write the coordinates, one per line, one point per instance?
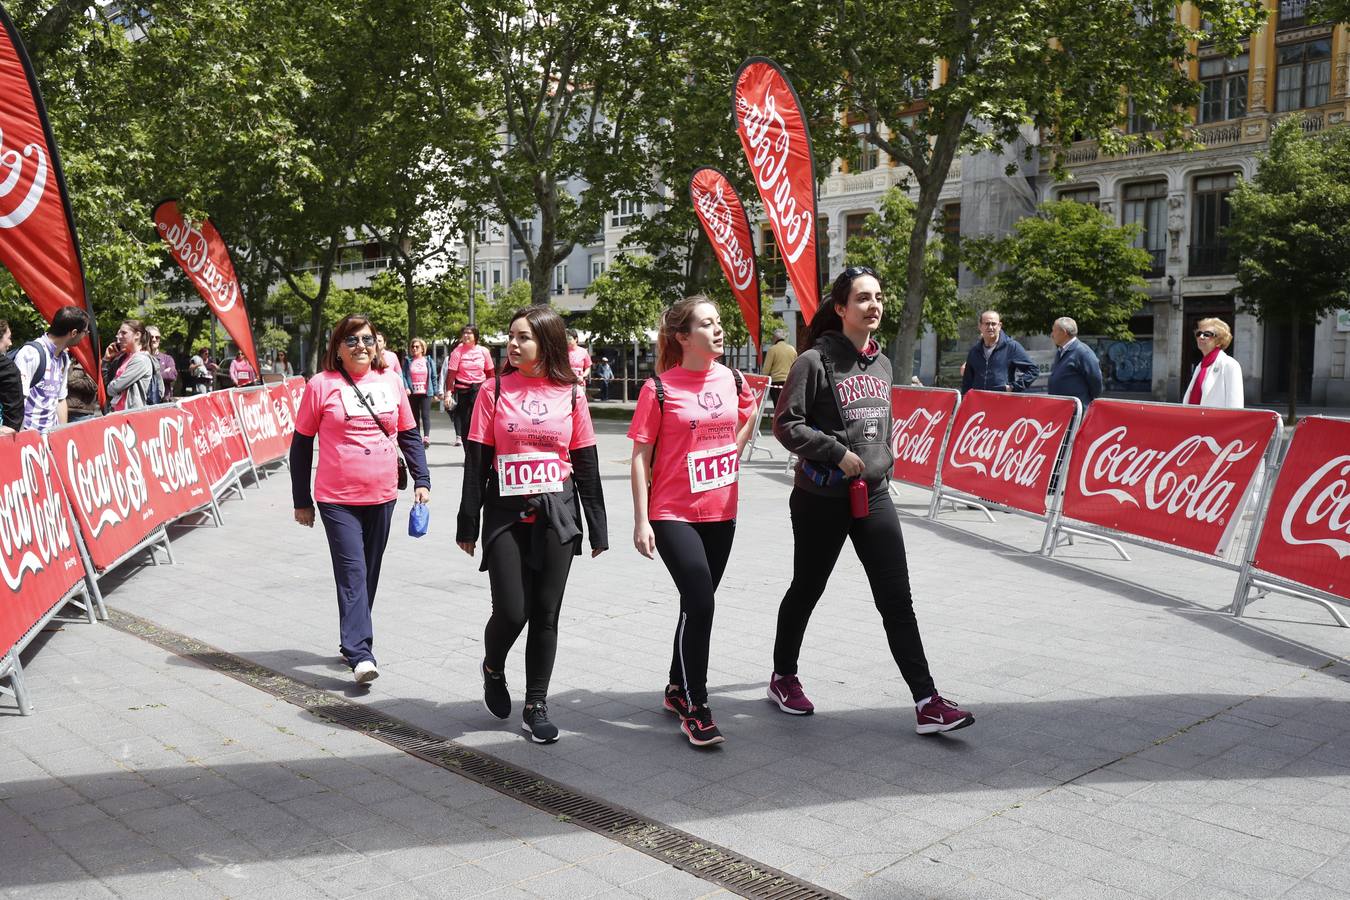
(359, 410)
(1217, 381)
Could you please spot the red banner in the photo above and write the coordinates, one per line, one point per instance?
(216, 435)
(267, 424)
(296, 385)
(772, 128)
(126, 475)
(202, 254)
(720, 211)
(38, 554)
(1306, 537)
(1175, 474)
(759, 388)
(38, 244)
(919, 420)
(1003, 447)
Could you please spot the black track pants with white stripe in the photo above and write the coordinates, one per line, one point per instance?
(696, 554)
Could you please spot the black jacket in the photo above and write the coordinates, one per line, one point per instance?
(1076, 373)
(11, 393)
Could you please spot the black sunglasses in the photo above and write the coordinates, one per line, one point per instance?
(853, 272)
(1204, 334)
(352, 340)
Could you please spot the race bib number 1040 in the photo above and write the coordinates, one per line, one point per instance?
(713, 468)
(523, 474)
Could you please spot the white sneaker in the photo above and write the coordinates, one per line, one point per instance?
(365, 672)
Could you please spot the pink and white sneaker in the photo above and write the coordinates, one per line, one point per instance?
(786, 691)
(938, 715)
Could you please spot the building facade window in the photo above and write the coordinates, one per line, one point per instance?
(1136, 122)
(1209, 217)
(1223, 89)
(1146, 206)
(951, 228)
(1293, 14)
(863, 155)
(480, 231)
(1092, 195)
(560, 278)
(1304, 76)
(627, 213)
(774, 272)
(855, 226)
(597, 266)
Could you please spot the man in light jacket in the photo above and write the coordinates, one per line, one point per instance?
(1076, 372)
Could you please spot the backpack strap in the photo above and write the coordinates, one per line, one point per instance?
(740, 382)
(660, 392)
(574, 398)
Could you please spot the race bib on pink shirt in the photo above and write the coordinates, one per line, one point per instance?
(525, 474)
(533, 427)
(713, 468)
(417, 374)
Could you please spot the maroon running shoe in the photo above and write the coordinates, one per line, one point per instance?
(698, 726)
(676, 702)
(786, 691)
(939, 715)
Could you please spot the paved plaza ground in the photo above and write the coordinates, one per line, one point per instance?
(1132, 739)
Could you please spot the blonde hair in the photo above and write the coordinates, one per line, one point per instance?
(417, 342)
(676, 320)
(1223, 335)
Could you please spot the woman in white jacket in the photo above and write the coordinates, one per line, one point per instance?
(1217, 381)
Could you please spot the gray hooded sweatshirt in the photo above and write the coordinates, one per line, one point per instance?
(808, 420)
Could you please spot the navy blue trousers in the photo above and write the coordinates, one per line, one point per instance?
(357, 536)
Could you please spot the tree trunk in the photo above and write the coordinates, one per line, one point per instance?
(410, 297)
(911, 317)
(315, 331)
(1293, 368)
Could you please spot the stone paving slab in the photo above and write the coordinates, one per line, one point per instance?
(1132, 739)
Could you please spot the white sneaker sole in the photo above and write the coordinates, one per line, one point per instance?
(483, 675)
(525, 727)
(365, 677)
(936, 728)
(784, 707)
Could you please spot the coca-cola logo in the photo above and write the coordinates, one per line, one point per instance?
(110, 485)
(171, 461)
(1015, 454)
(770, 145)
(193, 252)
(257, 418)
(33, 525)
(1319, 511)
(713, 208)
(1168, 479)
(281, 408)
(17, 164)
(913, 439)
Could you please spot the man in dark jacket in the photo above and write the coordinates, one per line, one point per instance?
(997, 362)
(1076, 372)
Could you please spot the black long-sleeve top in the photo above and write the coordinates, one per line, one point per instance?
(11, 393)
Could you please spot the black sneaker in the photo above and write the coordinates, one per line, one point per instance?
(536, 723)
(496, 697)
(675, 702)
(698, 726)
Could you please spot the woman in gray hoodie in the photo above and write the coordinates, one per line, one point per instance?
(835, 415)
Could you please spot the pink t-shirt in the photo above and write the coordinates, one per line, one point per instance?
(533, 416)
(469, 364)
(391, 362)
(418, 374)
(695, 468)
(358, 465)
(579, 360)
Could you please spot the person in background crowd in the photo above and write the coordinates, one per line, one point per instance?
(578, 358)
(997, 362)
(1077, 372)
(836, 416)
(168, 367)
(606, 374)
(693, 419)
(44, 366)
(419, 379)
(241, 370)
(200, 371)
(360, 414)
(530, 465)
(1217, 381)
(468, 367)
(391, 359)
(11, 385)
(777, 363)
(128, 370)
(282, 366)
(81, 393)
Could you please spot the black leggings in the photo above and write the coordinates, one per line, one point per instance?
(523, 595)
(421, 410)
(696, 555)
(819, 526)
(465, 397)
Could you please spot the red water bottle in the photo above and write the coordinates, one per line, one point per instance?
(857, 498)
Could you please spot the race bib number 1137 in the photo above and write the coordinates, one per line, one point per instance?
(713, 468)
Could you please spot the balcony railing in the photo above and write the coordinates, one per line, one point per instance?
(1211, 259)
(1158, 267)
(355, 265)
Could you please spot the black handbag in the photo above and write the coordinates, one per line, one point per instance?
(402, 466)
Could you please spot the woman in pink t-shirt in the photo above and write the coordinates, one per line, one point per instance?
(468, 367)
(531, 467)
(692, 422)
(358, 410)
(419, 380)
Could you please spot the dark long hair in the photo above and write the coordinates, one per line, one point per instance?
(827, 317)
(349, 326)
(551, 335)
(676, 320)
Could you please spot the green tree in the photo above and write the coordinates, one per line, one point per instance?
(1290, 232)
(1328, 10)
(626, 307)
(1067, 260)
(736, 334)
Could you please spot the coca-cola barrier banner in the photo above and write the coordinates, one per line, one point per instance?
(720, 211)
(126, 475)
(1175, 474)
(1003, 447)
(296, 385)
(216, 435)
(919, 420)
(772, 128)
(39, 558)
(759, 389)
(267, 419)
(202, 254)
(1306, 536)
(38, 244)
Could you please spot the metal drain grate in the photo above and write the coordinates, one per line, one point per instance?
(712, 863)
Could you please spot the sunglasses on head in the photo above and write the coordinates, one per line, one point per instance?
(854, 271)
(1204, 334)
(352, 340)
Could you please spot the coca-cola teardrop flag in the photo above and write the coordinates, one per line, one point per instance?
(37, 229)
(202, 253)
(772, 128)
(724, 220)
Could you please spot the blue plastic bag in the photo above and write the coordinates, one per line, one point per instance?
(419, 518)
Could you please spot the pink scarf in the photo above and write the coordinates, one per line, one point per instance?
(1194, 397)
